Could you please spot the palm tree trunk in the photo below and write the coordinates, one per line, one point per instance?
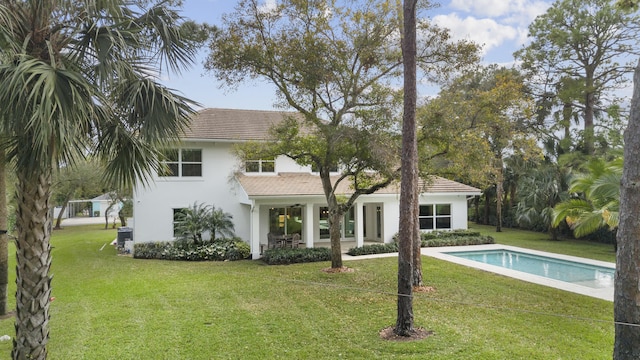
(4, 238)
(33, 254)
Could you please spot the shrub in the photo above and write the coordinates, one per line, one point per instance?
(430, 239)
(282, 256)
(446, 234)
(374, 249)
(458, 241)
(151, 250)
(240, 250)
(217, 250)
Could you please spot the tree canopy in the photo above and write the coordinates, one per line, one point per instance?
(581, 51)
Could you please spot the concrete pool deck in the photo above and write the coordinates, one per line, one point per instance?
(603, 293)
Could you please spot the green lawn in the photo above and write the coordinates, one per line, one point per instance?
(115, 307)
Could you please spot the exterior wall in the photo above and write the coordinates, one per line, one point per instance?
(153, 205)
(286, 164)
(459, 207)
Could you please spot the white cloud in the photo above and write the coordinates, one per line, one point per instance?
(517, 12)
(490, 8)
(486, 32)
(268, 7)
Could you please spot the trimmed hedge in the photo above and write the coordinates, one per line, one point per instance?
(446, 234)
(458, 241)
(282, 256)
(217, 250)
(374, 249)
(430, 239)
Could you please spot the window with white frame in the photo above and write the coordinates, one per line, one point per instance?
(435, 216)
(347, 229)
(177, 218)
(260, 165)
(182, 163)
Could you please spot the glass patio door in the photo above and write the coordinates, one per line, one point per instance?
(285, 220)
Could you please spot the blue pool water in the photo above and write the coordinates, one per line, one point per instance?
(569, 271)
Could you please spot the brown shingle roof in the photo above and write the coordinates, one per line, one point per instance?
(287, 184)
(441, 185)
(233, 124)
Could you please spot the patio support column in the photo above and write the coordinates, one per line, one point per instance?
(255, 231)
(309, 221)
(359, 225)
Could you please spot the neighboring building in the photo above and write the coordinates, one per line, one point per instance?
(101, 204)
(95, 207)
(273, 195)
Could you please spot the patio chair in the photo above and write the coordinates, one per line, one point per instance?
(295, 240)
(271, 241)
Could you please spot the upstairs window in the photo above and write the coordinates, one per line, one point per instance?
(260, 166)
(435, 216)
(182, 162)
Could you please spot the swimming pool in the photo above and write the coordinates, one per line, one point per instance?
(593, 276)
(578, 275)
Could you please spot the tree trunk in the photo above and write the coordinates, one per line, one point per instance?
(4, 238)
(499, 194)
(589, 134)
(59, 219)
(33, 253)
(487, 207)
(476, 205)
(567, 111)
(123, 221)
(627, 292)
(512, 195)
(417, 249)
(335, 234)
(409, 176)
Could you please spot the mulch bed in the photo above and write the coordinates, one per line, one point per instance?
(418, 334)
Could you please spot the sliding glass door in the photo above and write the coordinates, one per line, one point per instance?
(285, 220)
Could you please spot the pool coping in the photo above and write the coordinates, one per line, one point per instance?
(604, 293)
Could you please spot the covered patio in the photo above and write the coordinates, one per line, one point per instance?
(291, 204)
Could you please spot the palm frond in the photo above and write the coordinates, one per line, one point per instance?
(571, 209)
(587, 224)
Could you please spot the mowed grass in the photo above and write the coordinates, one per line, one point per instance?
(115, 307)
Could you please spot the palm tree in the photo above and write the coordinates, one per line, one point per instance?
(82, 78)
(598, 199)
(192, 222)
(220, 223)
(543, 187)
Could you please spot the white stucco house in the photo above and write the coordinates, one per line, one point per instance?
(273, 195)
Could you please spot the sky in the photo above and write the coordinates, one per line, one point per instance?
(499, 25)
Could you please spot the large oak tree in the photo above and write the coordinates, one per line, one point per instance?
(337, 64)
